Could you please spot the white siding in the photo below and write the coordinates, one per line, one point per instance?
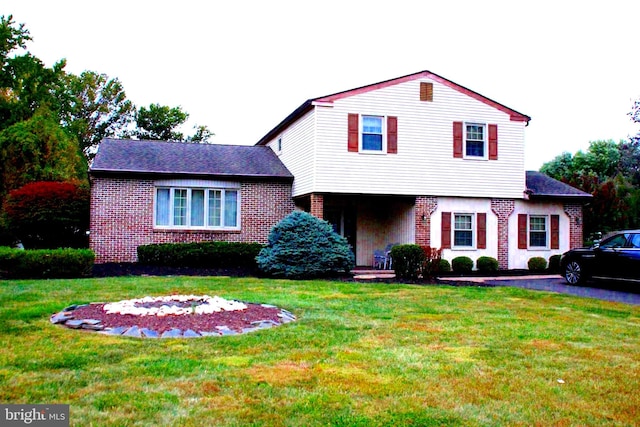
(519, 258)
(298, 152)
(424, 163)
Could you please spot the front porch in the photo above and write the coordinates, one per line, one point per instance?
(370, 223)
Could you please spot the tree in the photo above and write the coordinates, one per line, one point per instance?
(202, 135)
(49, 215)
(25, 82)
(38, 149)
(95, 107)
(158, 122)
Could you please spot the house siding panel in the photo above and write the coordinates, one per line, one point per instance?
(298, 147)
(122, 217)
(424, 163)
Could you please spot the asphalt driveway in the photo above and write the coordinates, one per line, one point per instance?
(603, 290)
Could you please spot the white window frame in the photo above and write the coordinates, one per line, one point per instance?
(547, 231)
(383, 130)
(472, 230)
(207, 194)
(485, 145)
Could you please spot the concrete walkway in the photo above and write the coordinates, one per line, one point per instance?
(603, 290)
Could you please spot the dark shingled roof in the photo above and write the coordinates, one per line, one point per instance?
(178, 158)
(540, 185)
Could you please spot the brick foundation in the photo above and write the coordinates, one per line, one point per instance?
(317, 205)
(424, 208)
(503, 208)
(122, 217)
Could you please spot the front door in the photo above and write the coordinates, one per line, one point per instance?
(343, 221)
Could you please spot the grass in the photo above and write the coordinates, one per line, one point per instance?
(359, 355)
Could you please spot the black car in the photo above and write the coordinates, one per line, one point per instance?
(617, 256)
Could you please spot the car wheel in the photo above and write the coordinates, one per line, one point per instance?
(573, 273)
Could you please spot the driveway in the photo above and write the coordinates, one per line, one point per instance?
(607, 291)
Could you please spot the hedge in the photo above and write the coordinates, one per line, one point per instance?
(487, 264)
(537, 264)
(200, 255)
(45, 263)
(462, 264)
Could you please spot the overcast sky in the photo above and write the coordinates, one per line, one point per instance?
(240, 67)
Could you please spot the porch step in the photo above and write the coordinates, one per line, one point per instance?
(372, 274)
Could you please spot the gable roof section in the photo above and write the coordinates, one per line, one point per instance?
(308, 104)
(543, 186)
(126, 156)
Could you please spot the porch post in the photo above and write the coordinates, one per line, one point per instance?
(503, 208)
(317, 205)
(425, 206)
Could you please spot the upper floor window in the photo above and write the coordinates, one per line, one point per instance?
(372, 133)
(197, 208)
(475, 138)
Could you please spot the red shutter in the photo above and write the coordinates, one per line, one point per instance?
(353, 133)
(392, 135)
(522, 231)
(457, 139)
(482, 230)
(493, 142)
(555, 231)
(446, 230)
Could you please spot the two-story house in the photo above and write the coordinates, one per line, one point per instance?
(415, 159)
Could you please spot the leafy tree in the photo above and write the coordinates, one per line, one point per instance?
(202, 135)
(48, 215)
(25, 82)
(302, 245)
(38, 149)
(95, 107)
(158, 122)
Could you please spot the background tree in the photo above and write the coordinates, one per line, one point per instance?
(95, 107)
(38, 149)
(159, 122)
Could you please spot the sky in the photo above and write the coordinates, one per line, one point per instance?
(240, 67)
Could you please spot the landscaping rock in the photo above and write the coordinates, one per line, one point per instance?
(60, 318)
(173, 333)
(190, 334)
(74, 324)
(148, 333)
(133, 331)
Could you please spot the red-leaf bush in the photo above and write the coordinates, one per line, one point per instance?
(49, 214)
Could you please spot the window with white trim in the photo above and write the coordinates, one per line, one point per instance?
(463, 230)
(200, 208)
(475, 141)
(538, 231)
(372, 134)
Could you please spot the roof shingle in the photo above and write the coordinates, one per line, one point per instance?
(161, 157)
(543, 186)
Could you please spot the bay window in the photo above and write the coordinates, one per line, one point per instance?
(201, 208)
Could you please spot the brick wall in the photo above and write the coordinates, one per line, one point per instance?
(574, 212)
(503, 208)
(122, 217)
(317, 205)
(424, 208)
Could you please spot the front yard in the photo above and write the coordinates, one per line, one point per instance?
(359, 355)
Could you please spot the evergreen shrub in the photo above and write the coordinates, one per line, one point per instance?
(462, 264)
(537, 264)
(45, 263)
(408, 261)
(302, 246)
(487, 264)
(201, 254)
(554, 263)
(444, 266)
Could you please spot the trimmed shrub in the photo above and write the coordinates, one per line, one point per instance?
(444, 266)
(201, 254)
(45, 263)
(408, 261)
(487, 264)
(302, 245)
(49, 215)
(554, 263)
(462, 264)
(537, 264)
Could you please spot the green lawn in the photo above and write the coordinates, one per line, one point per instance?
(359, 355)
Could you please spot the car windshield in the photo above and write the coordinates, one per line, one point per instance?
(617, 241)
